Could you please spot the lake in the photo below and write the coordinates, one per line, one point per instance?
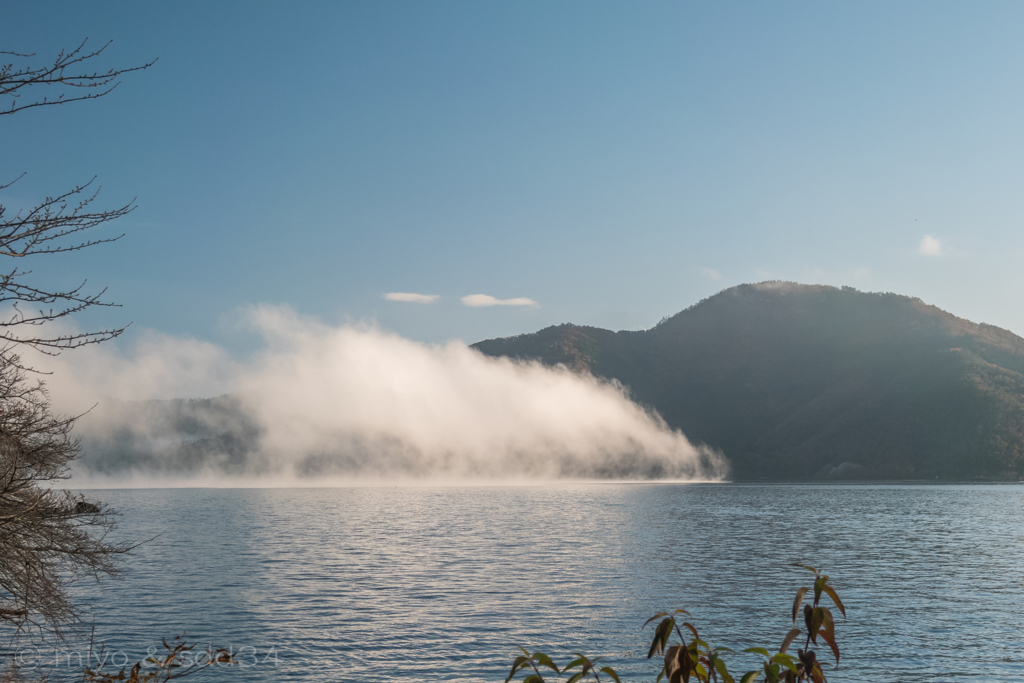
(441, 583)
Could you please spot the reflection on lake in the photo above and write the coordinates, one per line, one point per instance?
(374, 584)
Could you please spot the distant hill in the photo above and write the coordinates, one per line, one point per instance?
(796, 381)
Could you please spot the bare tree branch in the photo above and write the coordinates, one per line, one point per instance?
(55, 76)
(50, 539)
(57, 224)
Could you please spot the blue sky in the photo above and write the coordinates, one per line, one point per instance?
(613, 162)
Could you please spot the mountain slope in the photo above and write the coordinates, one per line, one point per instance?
(791, 380)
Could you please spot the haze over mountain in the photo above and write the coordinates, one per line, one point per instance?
(798, 381)
(786, 381)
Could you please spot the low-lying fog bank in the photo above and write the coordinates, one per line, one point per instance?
(353, 403)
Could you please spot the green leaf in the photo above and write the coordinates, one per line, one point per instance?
(587, 663)
(786, 661)
(533, 678)
(835, 598)
(661, 636)
(749, 676)
(817, 619)
(518, 664)
(819, 584)
(579, 661)
(611, 672)
(575, 678)
(722, 649)
(659, 615)
(798, 600)
(758, 651)
(793, 633)
(804, 566)
(723, 672)
(544, 660)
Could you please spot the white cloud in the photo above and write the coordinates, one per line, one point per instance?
(711, 273)
(354, 402)
(930, 246)
(411, 297)
(481, 300)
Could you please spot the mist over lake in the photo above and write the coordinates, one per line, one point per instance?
(441, 583)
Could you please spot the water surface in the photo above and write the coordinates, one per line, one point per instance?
(375, 584)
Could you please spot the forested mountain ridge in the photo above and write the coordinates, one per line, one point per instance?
(791, 381)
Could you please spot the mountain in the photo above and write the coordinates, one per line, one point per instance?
(795, 381)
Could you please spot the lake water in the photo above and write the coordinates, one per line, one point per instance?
(375, 584)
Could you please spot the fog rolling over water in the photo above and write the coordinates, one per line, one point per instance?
(353, 402)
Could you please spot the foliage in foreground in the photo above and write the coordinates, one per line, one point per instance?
(178, 661)
(695, 658)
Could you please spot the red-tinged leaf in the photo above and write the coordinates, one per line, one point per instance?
(544, 660)
(611, 672)
(681, 611)
(829, 624)
(758, 651)
(689, 666)
(835, 598)
(674, 663)
(723, 672)
(804, 566)
(798, 600)
(790, 637)
(817, 675)
(692, 629)
(830, 638)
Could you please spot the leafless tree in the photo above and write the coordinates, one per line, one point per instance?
(49, 538)
(57, 224)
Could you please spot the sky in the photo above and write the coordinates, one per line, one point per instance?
(465, 170)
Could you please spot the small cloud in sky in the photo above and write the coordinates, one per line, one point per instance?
(930, 246)
(711, 273)
(863, 273)
(481, 300)
(411, 297)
